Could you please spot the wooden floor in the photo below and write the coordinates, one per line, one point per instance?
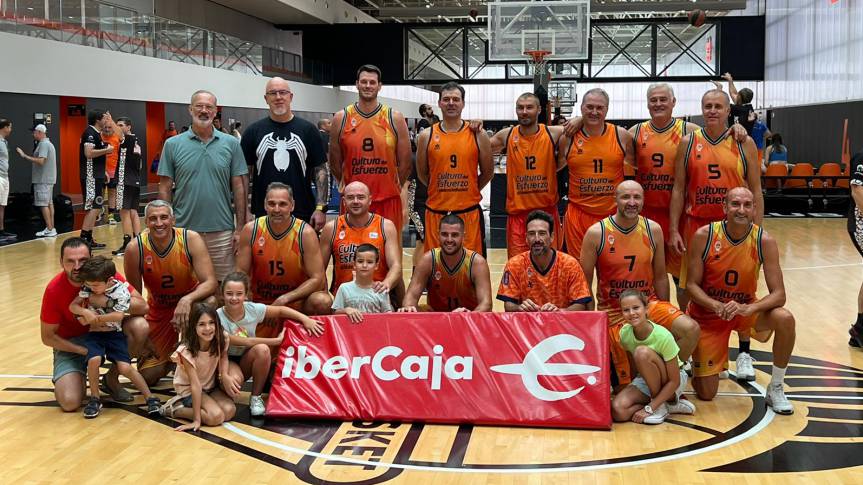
(729, 437)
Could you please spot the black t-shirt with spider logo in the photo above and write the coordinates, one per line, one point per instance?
(283, 152)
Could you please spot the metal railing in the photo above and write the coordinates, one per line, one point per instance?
(106, 26)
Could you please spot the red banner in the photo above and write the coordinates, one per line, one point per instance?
(531, 369)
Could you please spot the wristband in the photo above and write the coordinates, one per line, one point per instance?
(319, 207)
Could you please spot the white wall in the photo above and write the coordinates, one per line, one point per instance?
(814, 51)
(37, 66)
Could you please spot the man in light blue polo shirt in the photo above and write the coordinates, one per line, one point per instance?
(204, 166)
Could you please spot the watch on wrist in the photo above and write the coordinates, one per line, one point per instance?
(648, 409)
(319, 207)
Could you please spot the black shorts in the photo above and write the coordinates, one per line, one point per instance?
(92, 190)
(112, 183)
(107, 344)
(128, 197)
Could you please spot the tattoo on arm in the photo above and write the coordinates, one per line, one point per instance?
(322, 182)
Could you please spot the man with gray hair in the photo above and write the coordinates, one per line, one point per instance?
(205, 166)
(5, 130)
(174, 265)
(43, 177)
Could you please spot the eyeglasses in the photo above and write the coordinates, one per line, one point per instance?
(280, 93)
(204, 107)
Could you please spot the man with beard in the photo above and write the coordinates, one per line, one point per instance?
(531, 171)
(595, 156)
(174, 265)
(457, 279)
(282, 256)
(341, 237)
(543, 279)
(626, 250)
(372, 145)
(725, 260)
(92, 153)
(130, 171)
(709, 162)
(286, 148)
(205, 166)
(64, 333)
(455, 164)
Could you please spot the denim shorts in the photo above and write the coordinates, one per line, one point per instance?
(67, 362)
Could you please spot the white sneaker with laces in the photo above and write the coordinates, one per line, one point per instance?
(776, 399)
(658, 416)
(50, 233)
(682, 406)
(745, 371)
(42, 233)
(256, 405)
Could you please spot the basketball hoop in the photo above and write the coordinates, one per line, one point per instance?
(537, 61)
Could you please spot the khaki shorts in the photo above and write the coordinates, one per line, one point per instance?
(4, 191)
(220, 245)
(42, 194)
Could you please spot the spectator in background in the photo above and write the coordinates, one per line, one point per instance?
(91, 155)
(129, 174)
(170, 131)
(760, 135)
(776, 153)
(43, 177)
(235, 130)
(5, 130)
(111, 136)
(428, 117)
(559, 120)
(207, 167)
(741, 108)
(184, 129)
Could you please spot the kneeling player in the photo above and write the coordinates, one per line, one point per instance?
(725, 258)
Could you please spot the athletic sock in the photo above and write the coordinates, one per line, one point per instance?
(777, 376)
(744, 346)
(858, 325)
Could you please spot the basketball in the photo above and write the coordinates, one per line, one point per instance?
(696, 18)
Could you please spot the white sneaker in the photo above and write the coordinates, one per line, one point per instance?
(256, 405)
(682, 406)
(684, 378)
(658, 416)
(687, 367)
(50, 233)
(745, 371)
(42, 233)
(776, 399)
(723, 374)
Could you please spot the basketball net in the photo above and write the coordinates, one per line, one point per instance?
(537, 62)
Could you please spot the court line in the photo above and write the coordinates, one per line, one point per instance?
(23, 376)
(766, 420)
(823, 266)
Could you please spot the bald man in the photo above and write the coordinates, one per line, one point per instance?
(627, 251)
(287, 149)
(725, 260)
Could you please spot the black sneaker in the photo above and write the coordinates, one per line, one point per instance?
(853, 343)
(153, 405)
(95, 245)
(119, 251)
(93, 407)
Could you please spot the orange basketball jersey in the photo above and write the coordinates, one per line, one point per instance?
(451, 288)
(368, 143)
(730, 268)
(595, 169)
(624, 261)
(167, 275)
(655, 150)
(277, 260)
(531, 171)
(346, 239)
(453, 162)
(713, 167)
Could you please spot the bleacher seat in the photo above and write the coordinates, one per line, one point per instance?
(775, 170)
(799, 170)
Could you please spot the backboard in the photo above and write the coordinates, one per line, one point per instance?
(560, 27)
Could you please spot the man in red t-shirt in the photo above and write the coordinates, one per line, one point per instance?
(65, 334)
